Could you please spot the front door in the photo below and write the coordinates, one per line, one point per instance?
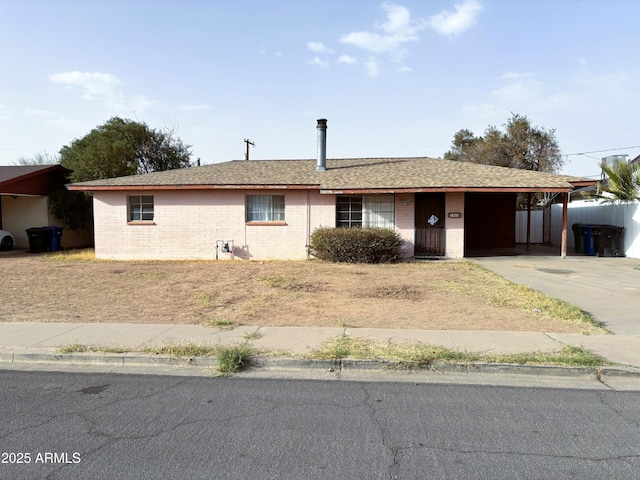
(430, 225)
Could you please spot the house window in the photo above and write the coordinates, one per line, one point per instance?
(140, 208)
(265, 208)
(365, 211)
(349, 211)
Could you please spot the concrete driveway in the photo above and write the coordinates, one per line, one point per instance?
(607, 288)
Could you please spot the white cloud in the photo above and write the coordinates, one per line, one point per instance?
(516, 76)
(93, 85)
(318, 61)
(456, 23)
(582, 61)
(398, 29)
(349, 60)
(519, 89)
(139, 103)
(372, 66)
(404, 68)
(318, 47)
(192, 107)
(103, 87)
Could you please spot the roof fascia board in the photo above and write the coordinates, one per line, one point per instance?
(35, 173)
(446, 189)
(88, 188)
(583, 183)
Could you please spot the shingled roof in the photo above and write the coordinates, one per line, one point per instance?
(346, 175)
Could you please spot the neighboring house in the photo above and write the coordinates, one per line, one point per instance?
(268, 209)
(24, 192)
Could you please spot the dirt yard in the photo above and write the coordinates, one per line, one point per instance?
(420, 295)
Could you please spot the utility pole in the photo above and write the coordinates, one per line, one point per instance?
(248, 142)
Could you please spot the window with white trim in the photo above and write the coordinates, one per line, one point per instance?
(140, 208)
(265, 208)
(365, 211)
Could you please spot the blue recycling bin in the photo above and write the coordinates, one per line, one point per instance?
(55, 238)
(589, 241)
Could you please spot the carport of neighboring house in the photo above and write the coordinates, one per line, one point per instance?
(23, 197)
(24, 202)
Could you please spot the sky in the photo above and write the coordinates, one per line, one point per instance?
(393, 79)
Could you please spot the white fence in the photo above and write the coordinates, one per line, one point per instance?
(536, 226)
(626, 214)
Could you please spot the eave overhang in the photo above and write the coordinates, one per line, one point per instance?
(91, 188)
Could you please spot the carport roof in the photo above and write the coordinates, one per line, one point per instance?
(28, 179)
(353, 175)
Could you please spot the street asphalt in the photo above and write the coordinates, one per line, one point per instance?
(608, 288)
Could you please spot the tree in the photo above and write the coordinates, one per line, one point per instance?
(122, 147)
(622, 183)
(44, 158)
(521, 145)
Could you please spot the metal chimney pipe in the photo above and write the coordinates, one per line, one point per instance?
(322, 145)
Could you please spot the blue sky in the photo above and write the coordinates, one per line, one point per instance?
(392, 78)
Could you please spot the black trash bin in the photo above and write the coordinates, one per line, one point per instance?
(55, 238)
(578, 238)
(38, 239)
(609, 240)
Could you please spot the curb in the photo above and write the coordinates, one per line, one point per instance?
(465, 368)
(108, 359)
(342, 365)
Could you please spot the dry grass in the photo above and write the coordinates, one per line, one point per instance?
(420, 355)
(421, 295)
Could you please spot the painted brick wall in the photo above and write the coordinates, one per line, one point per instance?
(405, 222)
(454, 227)
(187, 225)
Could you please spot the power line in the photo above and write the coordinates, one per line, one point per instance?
(602, 151)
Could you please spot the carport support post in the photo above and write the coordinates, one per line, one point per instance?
(528, 220)
(563, 247)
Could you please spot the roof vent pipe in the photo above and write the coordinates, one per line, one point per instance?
(322, 145)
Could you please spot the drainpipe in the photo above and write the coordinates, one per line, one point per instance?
(322, 145)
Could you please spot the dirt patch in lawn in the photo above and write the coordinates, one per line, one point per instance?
(420, 295)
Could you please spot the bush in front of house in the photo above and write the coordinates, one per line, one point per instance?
(355, 245)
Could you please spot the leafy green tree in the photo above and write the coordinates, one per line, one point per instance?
(520, 145)
(122, 147)
(74, 209)
(622, 183)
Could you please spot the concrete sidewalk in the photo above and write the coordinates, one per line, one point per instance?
(39, 342)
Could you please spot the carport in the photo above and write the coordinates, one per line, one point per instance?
(24, 191)
(490, 215)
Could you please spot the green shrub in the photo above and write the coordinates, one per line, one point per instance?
(355, 245)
